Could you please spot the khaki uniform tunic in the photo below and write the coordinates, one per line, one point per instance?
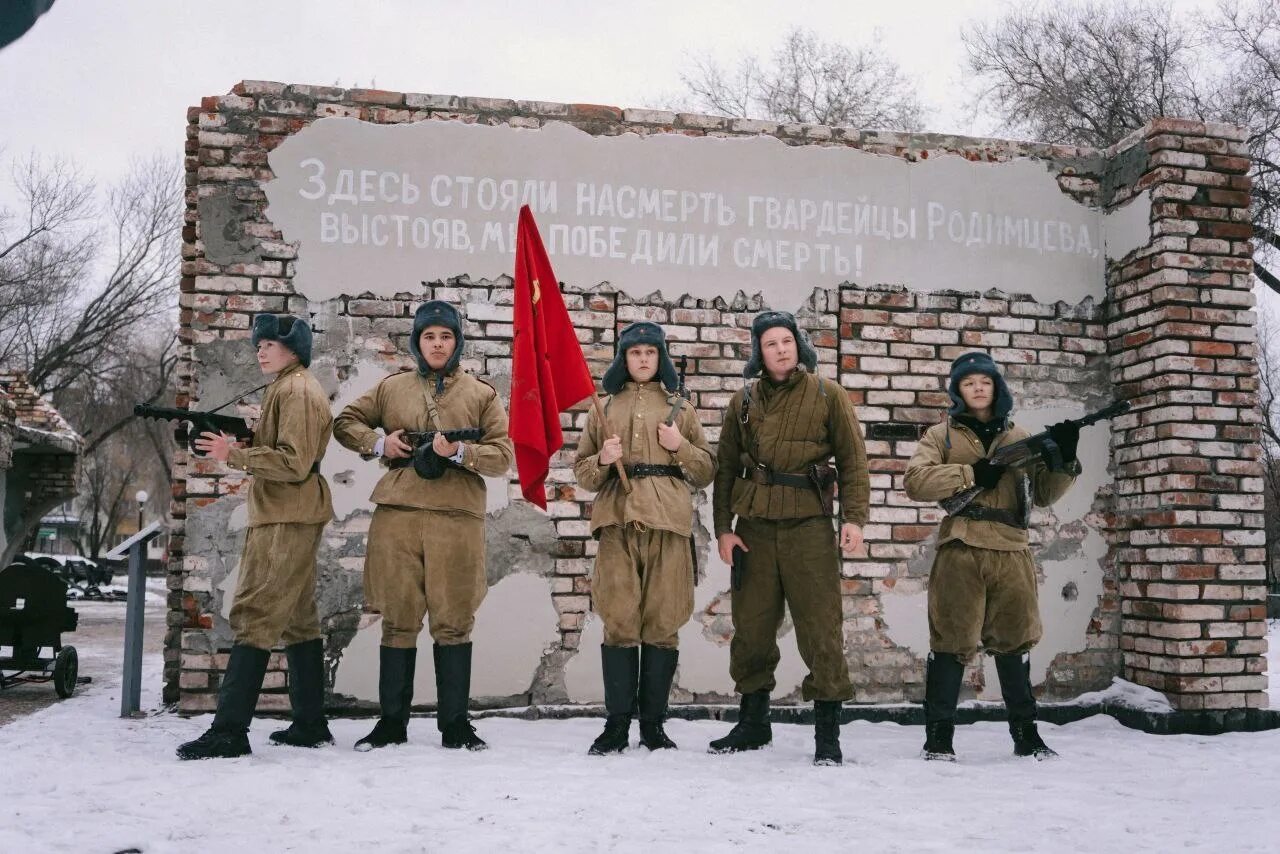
(982, 587)
(642, 587)
(426, 541)
(289, 504)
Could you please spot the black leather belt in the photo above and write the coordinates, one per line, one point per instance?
(764, 475)
(653, 470)
(992, 514)
(315, 468)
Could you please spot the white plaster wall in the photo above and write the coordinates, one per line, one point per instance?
(237, 522)
(583, 674)
(515, 625)
(942, 204)
(351, 479)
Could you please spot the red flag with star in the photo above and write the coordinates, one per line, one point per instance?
(549, 374)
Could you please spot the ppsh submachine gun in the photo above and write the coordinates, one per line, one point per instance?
(426, 462)
(192, 422)
(1024, 451)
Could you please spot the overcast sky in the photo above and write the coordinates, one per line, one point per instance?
(98, 80)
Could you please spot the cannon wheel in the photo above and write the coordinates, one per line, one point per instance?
(65, 668)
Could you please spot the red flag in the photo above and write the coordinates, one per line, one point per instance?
(549, 374)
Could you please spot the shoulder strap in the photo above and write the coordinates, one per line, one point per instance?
(745, 414)
(433, 410)
(745, 423)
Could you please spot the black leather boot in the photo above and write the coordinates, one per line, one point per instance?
(1027, 741)
(938, 741)
(621, 666)
(228, 737)
(752, 731)
(657, 670)
(1014, 671)
(395, 696)
(826, 733)
(943, 675)
(309, 728)
(453, 696)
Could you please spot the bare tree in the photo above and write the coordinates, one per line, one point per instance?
(46, 247)
(82, 288)
(1089, 74)
(1251, 98)
(121, 454)
(87, 293)
(1268, 397)
(812, 81)
(109, 476)
(101, 406)
(61, 343)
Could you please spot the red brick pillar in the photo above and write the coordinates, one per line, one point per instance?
(1189, 522)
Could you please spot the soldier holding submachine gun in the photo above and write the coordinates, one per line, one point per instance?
(445, 431)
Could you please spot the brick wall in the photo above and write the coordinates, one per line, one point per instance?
(1164, 336)
(8, 426)
(1181, 346)
(41, 453)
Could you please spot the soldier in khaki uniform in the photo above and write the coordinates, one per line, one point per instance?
(426, 541)
(982, 588)
(779, 432)
(289, 504)
(644, 574)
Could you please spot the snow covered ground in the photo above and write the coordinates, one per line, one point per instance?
(77, 778)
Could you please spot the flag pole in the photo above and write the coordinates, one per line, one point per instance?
(617, 464)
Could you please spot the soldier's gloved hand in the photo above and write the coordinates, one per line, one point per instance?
(1066, 435)
(987, 474)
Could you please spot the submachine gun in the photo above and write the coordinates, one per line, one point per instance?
(1025, 450)
(426, 462)
(192, 422)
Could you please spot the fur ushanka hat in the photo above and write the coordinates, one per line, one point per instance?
(292, 332)
(640, 332)
(767, 320)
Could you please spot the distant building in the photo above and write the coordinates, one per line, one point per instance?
(39, 455)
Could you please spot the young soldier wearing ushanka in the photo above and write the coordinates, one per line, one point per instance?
(426, 555)
(982, 588)
(289, 504)
(779, 433)
(642, 587)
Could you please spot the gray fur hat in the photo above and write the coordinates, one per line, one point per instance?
(978, 362)
(640, 332)
(766, 320)
(292, 332)
(437, 313)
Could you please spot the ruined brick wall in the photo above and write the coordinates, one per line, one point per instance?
(889, 346)
(1181, 344)
(42, 455)
(8, 426)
